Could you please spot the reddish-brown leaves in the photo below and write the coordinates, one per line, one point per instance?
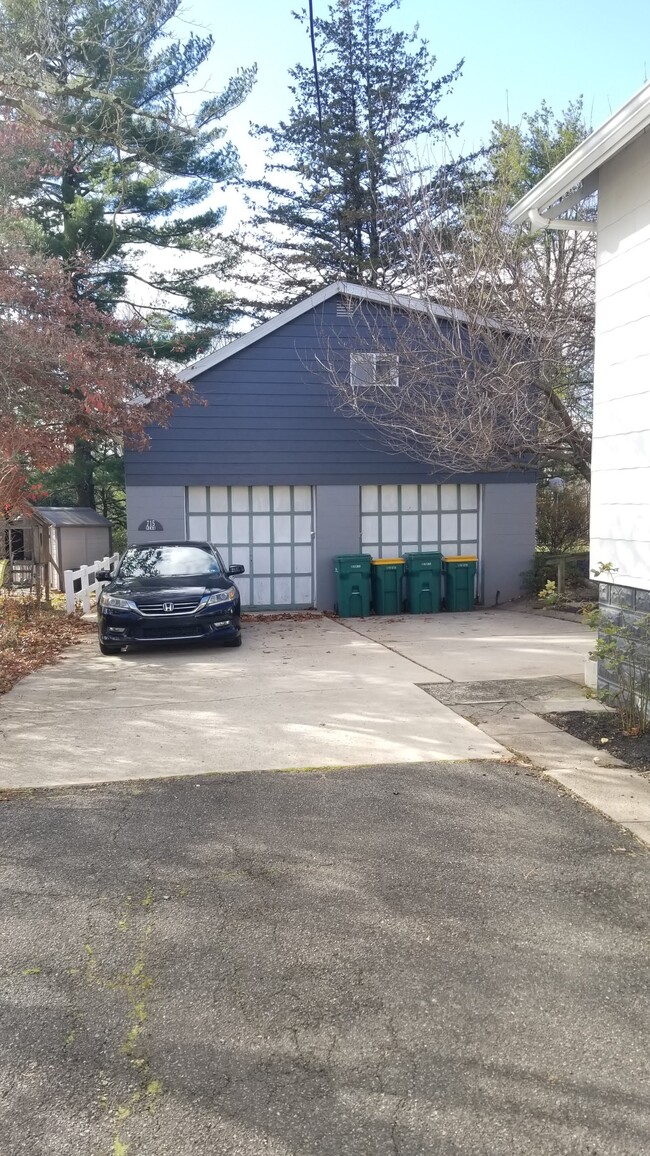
(33, 636)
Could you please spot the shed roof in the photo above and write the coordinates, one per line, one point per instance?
(580, 165)
(72, 516)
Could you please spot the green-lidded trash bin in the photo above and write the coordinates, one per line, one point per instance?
(387, 574)
(460, 577)
(353, 585)
(423, 578)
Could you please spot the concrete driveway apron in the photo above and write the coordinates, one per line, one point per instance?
(298, 693)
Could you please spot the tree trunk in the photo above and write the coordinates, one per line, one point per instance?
(84, 482)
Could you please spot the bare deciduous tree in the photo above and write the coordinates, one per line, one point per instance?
(488, 366)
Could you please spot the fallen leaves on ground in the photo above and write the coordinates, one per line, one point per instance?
(33, 635)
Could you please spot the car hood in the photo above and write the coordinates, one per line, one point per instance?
(186, 587)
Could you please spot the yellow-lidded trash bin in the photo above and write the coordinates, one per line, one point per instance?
(460, 580)
(387, 575)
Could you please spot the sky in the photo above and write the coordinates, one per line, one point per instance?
(516, 55)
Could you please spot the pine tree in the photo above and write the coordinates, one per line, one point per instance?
(127, 177)
(326, 207)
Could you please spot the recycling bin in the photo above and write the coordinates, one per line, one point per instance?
(353, 585)
(460, 578)
(423, 581)
(387, 575)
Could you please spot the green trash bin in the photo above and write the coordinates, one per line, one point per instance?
(387, 574)
(460, 576)
(353, 585)
(423, 578)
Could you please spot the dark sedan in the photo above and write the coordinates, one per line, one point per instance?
(170, 592)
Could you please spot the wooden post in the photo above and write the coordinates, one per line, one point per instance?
(85, 593)
(68, 583)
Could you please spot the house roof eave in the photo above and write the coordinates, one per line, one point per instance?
(600, 146)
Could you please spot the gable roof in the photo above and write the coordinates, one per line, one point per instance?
(346, 289)
(581, 166)
(72, 516)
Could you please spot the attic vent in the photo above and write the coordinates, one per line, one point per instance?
(343, 310)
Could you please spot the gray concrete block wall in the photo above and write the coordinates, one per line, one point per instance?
(338, 531)
(627, 607)
(508, 539)
(165, 504)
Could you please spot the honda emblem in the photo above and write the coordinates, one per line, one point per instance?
(168, 607)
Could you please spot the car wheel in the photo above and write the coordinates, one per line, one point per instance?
(234, 641)
(104, 649)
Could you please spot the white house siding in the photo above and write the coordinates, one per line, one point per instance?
(620, 500)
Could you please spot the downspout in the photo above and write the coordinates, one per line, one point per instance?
(538, 221)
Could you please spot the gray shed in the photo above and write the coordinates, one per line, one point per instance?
(78, 536)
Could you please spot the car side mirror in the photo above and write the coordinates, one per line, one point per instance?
(236, 570)
(103, 576)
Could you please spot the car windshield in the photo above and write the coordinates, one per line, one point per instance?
(168, 562)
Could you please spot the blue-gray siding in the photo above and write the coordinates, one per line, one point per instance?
(508, 540)
(271, 418)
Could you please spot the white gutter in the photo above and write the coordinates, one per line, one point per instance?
(585, 160)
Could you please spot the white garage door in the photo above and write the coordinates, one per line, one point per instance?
(397, 519)
(267, 529)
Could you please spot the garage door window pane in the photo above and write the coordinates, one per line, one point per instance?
(410, 528)
(197, 499)
(198, 528)
(282, 528)
(429, 498)
(219, 529)
(219, 499)
(410, 499)
(262, 559)
(302, 559)
(369, 528)
(389, 499)
(302, 590)
(302, 528)
(261, 591)
(449, 527)
(261, 499)
(468, 497)
(369, 499)
(282, 591)
(240, 499)
(302, 499)
(282, 499)
(449, 497)
(468, 525)
(282, 560)
(261, 529)
(240, 529)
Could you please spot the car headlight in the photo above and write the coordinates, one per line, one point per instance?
(222, 596)
(112, 602)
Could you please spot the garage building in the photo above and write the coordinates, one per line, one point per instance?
(272, 471)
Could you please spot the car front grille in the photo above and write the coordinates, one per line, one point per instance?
(161, 632)
(185, 607)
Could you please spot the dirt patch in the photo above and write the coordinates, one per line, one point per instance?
(33, 635)
(604, 733)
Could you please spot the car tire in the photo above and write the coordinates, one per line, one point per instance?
(105, 649)
(234, 641)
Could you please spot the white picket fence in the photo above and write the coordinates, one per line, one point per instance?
(85, 578)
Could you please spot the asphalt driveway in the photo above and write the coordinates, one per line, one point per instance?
(304, 693)
(444, 959)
